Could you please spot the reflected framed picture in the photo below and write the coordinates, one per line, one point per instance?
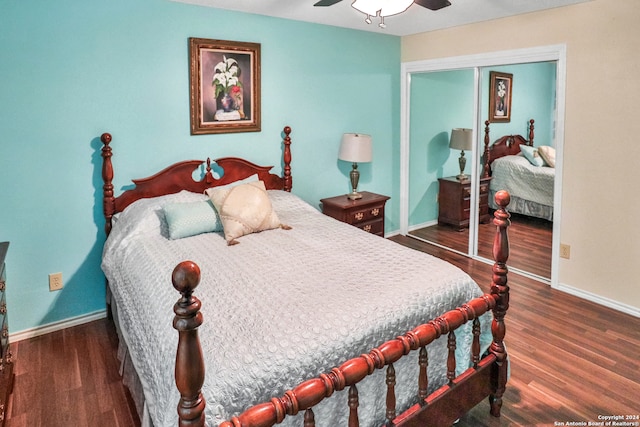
(500, 89)
(224, 86)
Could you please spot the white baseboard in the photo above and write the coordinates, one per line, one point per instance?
(57, 326)
(412, 228)
(423, 225)
(599, 299)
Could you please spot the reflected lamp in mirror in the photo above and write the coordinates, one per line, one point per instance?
(461, 139)
(355, 148)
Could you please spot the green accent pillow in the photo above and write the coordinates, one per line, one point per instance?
(532, 155)
(192, 218)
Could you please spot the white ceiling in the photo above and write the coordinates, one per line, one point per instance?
(415, 20)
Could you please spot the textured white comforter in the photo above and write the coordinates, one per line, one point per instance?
(280, 307)
(523, 180)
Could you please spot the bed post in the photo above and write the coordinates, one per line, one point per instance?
(189, 371)
(500, 290)
(108, 201)
(288, 180)
(485, 173)
(531, 132)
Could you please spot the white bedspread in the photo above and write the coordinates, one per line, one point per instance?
(280, 307)
(523, 180)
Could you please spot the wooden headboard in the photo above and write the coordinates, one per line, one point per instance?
(179, 176)
(504, 146)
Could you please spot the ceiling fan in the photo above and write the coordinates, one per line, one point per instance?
(384, 8)
(429, 4)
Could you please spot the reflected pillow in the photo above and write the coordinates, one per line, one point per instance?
(531, 154)
(191, 219)
(243, 209)
(548, 154)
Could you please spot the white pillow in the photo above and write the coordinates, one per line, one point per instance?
(548, 154)
(244, 209)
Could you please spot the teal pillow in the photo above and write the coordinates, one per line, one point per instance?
(192, 218)
(531, 153)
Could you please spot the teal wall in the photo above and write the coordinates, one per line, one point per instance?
(74, 69)
(441, 101)
(534, 88)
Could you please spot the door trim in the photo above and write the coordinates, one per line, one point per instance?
(555, 53)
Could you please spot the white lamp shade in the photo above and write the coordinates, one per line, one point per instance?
(461, 139)
(355, 148)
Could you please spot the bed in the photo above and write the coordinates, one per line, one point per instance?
(276, 325)
(525, 171)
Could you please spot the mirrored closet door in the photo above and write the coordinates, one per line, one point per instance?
(439, 201)
(455, 212)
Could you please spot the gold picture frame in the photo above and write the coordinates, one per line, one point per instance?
(500, 90)
(224, 86)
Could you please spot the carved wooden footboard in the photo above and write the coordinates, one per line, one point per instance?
(487, 377)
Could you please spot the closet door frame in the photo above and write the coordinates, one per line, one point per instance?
(555, 53)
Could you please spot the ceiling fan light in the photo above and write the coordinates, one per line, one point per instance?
(381, 8)
(368, 7)
(394, 7)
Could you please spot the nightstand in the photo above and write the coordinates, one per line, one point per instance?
(366, 213)
(454, 202)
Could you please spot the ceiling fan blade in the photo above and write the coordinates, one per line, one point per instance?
(433, 4)
(327, 2)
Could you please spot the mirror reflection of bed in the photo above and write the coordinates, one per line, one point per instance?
(527, 171)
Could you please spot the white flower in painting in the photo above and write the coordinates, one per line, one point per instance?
(502, 88)
(226, 75)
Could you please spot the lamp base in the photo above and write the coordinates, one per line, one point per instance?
(462, 161)
(355, 176)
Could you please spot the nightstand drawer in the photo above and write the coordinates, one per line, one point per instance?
(373, 227)
(363, 215)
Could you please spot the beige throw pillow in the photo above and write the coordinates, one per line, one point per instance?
(548, 154)
(243, 209)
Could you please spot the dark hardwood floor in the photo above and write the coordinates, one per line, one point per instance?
(571, 361)
(530, 242)
(70, 378)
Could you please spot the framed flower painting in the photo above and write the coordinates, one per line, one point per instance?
(500, 88)
(224, 85)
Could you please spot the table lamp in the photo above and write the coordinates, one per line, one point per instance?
(461, 139)
(355, 148)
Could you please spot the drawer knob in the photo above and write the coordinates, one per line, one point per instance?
(375, 212)
(367, 228)
(2, 285)
(3, 308)
(359, 216)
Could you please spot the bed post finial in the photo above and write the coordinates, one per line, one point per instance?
(487, 160)
(500, 291)
(531, 132)
(288, 180)
(108, 201)
(189, 372)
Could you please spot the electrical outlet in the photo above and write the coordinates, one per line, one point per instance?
(565, 251)
(55, 281)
